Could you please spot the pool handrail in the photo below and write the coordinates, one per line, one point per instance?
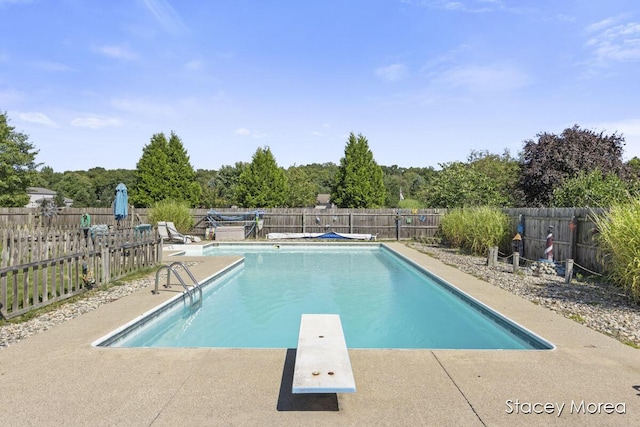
(188, 290)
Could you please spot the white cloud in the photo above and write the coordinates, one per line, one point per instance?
(247, 132)
(95, 122)
(143, 107)
(484, 78)
(599, 26)
(392, 73)
(117, 52)
(165, 15)
(34, 117)
(194, 65)
(612, 42)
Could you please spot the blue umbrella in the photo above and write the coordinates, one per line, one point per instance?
(121, 203)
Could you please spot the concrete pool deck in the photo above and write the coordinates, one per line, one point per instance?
(58, 378)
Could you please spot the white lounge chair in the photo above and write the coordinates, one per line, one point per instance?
(171, 228)
(167, 236)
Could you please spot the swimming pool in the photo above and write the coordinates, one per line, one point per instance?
(384, 301)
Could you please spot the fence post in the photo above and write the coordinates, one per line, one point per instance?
(490, 258)
(568, 272)
(104, 257)
(516, 262)
(573, 227)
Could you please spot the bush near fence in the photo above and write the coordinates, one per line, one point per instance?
(43, 265)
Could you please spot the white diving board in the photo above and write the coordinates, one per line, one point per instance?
(322, 360)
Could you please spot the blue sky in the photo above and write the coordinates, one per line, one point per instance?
(426, 81)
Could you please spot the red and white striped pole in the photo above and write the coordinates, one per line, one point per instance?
(548, 252)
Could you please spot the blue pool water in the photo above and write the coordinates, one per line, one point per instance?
(383, 302)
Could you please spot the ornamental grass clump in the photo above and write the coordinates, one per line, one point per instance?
(618, 234)
(171, 210)
(475, 229)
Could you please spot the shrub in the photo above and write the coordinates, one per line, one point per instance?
(171, 210)
(475, 229)
(592, 189)
(619, 238)
(410, 204)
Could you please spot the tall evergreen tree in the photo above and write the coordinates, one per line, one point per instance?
(263, 184)
(359, 182)
(186, 187)
(17, 165)
(164, 172)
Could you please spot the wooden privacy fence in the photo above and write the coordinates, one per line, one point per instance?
(39, 266)
(33, 217)
(383, 223)
(573, 234)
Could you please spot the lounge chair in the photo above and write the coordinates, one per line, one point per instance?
(171, 228)
(169, 237)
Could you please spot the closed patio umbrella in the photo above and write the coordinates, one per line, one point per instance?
(121, 203)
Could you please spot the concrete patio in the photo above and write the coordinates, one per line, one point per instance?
(58, 378)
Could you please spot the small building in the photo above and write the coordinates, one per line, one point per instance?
(38, 195)
(323, 201)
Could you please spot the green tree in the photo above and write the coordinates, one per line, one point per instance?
(164, 172)
(226, 184)
(485, 180)
(457, 185)
(77, 187)
(207, 181)
(17, 165)
(592, 190)
(47, 178)
(633, 169)
(548, 162)
(323, 175)
(303, 191)
(359, 182)
(503, 172)
(263, 183)
(105, 181)
(183, 175)
(58, 201)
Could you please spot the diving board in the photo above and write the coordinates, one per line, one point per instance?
(322, 360)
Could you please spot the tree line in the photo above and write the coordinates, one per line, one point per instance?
(578, 167)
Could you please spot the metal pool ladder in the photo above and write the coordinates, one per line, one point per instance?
(189, 291)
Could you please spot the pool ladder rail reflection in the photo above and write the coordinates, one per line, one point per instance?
(189, 291)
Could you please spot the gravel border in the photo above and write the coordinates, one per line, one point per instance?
(598, 305)
(11, 333)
